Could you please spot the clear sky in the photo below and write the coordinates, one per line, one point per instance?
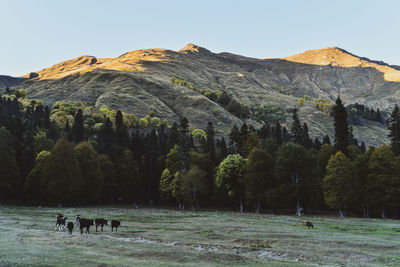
(39, 33)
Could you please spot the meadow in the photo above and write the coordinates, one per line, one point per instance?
(167, 237)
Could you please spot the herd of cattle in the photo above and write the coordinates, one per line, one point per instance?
(84, 223)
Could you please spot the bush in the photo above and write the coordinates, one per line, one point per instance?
(143, 123)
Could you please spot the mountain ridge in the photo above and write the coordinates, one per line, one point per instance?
(141, 80)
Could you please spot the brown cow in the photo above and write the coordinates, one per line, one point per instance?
(308, 224)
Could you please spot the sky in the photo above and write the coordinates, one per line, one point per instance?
(36, 34)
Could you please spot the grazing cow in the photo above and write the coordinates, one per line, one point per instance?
(100, 222)
(85, 223)
(308, 224)
(60, 224)
(115, 224)
(78, 217)
(70, 226)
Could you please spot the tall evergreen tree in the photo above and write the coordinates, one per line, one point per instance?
(9, 172)
(121, 131)
(278, 133)
(394, 128)
(342, 132)
(234, 137)
(326, 140)
(77, 127)
(296, 130)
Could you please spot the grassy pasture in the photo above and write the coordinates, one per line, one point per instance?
(165, 237)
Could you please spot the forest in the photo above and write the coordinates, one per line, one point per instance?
(73, 154)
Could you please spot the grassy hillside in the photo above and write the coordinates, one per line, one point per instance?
(139, 81)
(162, 237)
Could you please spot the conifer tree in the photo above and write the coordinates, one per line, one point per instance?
(278, 133)
(394, 128)
(9, 172)
(77, 127)
(234, 136)
(296, 130)
(326, 140)
(341, 126)
(121, 131)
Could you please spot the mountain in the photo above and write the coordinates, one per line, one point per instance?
(173, 83)
(8, 81)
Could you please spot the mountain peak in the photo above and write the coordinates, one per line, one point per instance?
(195, 49)
(334, 56)
(339, 57)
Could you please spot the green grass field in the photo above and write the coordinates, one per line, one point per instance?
(165, 237)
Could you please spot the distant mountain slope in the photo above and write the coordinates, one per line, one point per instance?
(139, 81)
(8, 81)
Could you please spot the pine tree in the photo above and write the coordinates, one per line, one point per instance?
(317, 144)
(296, 130)
(121, 131)
(342, 132)
(106, 138)
(77, 127)
(234, 137)
(394, 128)
(210, 143)
(278, 133)
(9, 172)
(326, 140)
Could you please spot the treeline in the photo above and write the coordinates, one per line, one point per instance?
(357, 112)
(44, 160)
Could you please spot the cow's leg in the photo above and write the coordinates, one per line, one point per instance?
(96, 227)
(80, 227)
(112, 229)
(116, 228)
(102, 227)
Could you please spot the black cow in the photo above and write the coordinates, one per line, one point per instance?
(100, 222)
(60, 224)
(85, 223)
(70, 226)
(115, 224)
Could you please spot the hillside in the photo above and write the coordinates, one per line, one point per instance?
(139, 81)
(8, 81)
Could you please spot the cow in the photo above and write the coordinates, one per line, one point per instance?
(308, 224)
(70, 226)
(115, 223)
(100, 222)
(77, 220)
(85, 223)
(60, 224)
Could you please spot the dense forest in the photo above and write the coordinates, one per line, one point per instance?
(73, 154)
